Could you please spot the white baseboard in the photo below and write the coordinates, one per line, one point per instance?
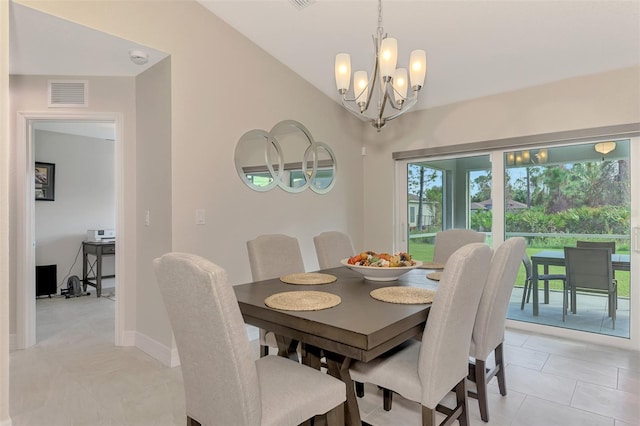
(164, 354)
(129, 338)
(12, 346)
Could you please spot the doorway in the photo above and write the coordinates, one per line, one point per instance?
(26, 232)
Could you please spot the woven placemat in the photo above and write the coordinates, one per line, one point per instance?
(308, 278)
(432, 265)
(435, 276)
(306, 300)
(404, 295)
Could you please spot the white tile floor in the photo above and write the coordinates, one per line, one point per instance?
(75, 376)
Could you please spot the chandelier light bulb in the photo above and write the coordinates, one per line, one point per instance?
(418, 68)
(361, 87)
(400, 85)
(343, 72)
(388, 57)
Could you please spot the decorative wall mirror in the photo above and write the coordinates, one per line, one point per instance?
(286, 156)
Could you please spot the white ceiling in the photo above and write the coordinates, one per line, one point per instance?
(474, 47)
(41, 44)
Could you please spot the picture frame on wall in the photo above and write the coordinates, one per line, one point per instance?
(45, 179)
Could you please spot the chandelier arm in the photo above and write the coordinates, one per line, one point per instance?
(374, 74)
(405, 108)
(355, 111)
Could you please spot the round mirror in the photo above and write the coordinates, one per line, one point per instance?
(286, 156)
(326, 168)
(253, 152)
(294, 140)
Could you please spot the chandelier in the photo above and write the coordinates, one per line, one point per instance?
(387, 85)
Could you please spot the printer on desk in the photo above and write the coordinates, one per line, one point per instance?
(101, 235)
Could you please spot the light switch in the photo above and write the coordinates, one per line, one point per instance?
(147, 218)
(200, 220)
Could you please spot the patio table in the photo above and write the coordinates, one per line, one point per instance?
(546, 258)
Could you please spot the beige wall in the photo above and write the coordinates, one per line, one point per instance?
(210, 109)
(153, 193)
(106, 95)
(593, 101)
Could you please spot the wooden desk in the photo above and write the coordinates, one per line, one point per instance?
(546, 258)
(360, 327)
(97, 249)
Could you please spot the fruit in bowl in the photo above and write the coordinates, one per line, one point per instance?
(382, 260)
(381, 266)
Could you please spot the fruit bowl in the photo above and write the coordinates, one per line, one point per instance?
(376, 273)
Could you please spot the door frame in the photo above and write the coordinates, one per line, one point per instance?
(25, 221)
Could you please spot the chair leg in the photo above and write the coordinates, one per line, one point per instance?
(359, 389)
(461, 402)
(335, 417)
(428, 416)
(502, 382)
(264, 350)
(481, 389)
(387, 399)
(192, 422)
(564, 302)
(524, 294)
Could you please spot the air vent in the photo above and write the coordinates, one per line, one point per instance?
(68, 93)
(301, 4)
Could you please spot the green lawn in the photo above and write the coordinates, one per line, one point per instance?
(424, 252)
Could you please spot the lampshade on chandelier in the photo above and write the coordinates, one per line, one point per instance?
(387, 86)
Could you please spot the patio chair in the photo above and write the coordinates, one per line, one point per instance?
(599, 244)
(425, 372)
(447, 242)
(223, 384)
(590, 270)
(272, 256)
(526, 291)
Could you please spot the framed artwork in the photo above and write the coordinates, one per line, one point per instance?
(45, 179)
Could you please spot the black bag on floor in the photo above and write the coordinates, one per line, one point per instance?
(74, 287)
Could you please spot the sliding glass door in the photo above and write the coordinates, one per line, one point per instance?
(552, 195)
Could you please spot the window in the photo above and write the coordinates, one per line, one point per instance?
(445, 194)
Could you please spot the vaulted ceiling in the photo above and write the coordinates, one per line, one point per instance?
(474, 47)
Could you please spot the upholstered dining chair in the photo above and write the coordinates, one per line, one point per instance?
(427, 371)
(272, 256)
(488, 330)
(223, 384)
(332, 247)
(447, 242)
(590, 269)
(528, 285)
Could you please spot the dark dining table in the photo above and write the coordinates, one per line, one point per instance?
(359, 328)
(546, 258)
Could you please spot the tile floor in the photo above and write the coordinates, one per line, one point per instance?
(76, 376)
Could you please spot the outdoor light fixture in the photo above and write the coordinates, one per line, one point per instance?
(605, 147)
(387, 85)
